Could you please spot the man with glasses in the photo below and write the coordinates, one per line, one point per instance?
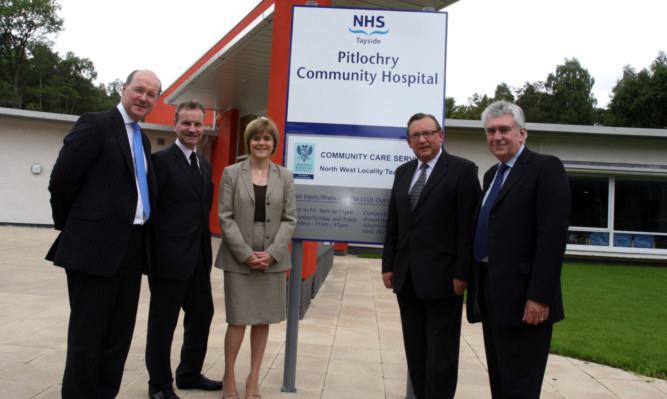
(102, 188)
(426, 254)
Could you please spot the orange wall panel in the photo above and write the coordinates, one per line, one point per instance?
(223, 153)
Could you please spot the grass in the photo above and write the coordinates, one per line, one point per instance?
(615, 315)
(370, 255)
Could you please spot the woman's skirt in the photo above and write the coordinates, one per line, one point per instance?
(258, 297)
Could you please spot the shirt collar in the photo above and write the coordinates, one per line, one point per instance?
(123, 113)
(185, 150)
(512, 161)
(432, 162)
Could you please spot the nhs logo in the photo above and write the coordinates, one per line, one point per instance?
(368, 25)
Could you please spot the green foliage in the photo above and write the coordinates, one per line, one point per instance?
(640, 99)
(570, 94)
(565, 97)
(24, 23)
(615, 315)
(476, 104)
(534, 101)
(503, 92)
(34, 77)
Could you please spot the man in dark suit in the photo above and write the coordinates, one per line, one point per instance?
(427, 253)
(100, 199)
(181, 266)
(518, 249)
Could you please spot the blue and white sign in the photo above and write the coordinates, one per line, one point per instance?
(356, 76)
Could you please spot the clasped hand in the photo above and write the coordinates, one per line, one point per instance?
(259, 260)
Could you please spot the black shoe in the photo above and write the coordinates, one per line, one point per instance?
(165, 394)
(198, 382)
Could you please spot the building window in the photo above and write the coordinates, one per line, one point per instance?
(590, 201)
(589, 216)
(640, 214)
(618, 211)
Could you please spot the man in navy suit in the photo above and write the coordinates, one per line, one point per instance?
(519, 244)
(100, 200)
(180, 274)
(426, 256)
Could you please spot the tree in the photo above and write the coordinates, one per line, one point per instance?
(453, 111)
(33, 76)
(23, 23)
(640, 99)
(476, 104)
(565, 97)
(503, 92)
(534, 101)
(53, 84)
(571, 99)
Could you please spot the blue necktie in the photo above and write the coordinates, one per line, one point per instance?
(140, 168)
(480, 249)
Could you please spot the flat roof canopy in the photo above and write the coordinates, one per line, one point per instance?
(237, 76)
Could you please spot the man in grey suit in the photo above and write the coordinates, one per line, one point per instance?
(180, 275)
(426, 255)
(102, 185)
(518, 251)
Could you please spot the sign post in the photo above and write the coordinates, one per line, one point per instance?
(356, 76)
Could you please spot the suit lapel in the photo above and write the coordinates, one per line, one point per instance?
(246, 178)
(272, 178)
(439, 170)
(185, 167)
(520, 167)
(403, 186)
(120, 131)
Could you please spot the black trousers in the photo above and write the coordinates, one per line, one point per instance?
(516, 356)
(431, 336)
(103, 311)
(167, 298)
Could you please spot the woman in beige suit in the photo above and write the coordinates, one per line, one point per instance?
(257, 212)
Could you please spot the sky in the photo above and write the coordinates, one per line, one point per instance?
(488, 41)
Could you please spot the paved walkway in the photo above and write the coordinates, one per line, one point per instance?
(350, 342)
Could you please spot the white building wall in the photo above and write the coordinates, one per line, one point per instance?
(30, 138)
(24, 197)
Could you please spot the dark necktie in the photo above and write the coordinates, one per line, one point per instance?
(480, 250)
(139, 167)
(193, 163)
(418, 186)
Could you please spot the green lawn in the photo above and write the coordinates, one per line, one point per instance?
(615, 315)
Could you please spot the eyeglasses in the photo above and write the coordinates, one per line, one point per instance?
(426, 135)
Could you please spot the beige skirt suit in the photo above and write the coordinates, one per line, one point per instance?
(255, 296)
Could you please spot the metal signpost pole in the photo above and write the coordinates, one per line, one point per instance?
(293, 311)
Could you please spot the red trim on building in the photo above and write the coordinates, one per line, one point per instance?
(223, 150)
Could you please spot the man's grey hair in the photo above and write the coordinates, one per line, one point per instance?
(500, 108)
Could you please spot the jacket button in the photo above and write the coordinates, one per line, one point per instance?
(267, 237)
(268, 220)
(268, 203)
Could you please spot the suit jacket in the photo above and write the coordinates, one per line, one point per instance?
(236, 211)
(94, 194)
(527, 236)
(432, 241)
(180, 230)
